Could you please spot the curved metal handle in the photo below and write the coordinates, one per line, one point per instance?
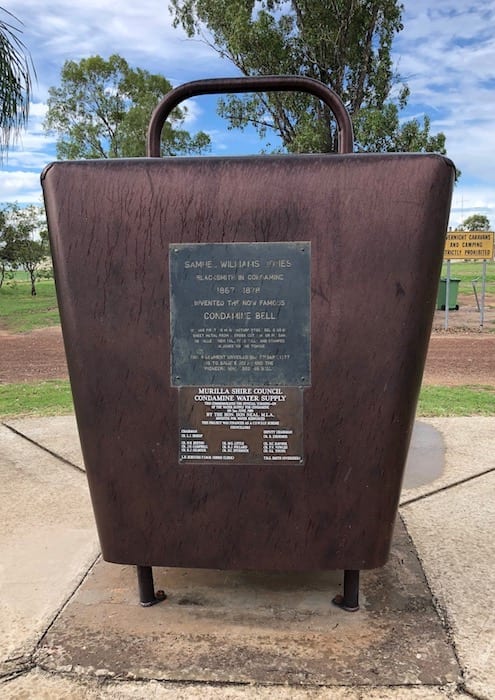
(269, 83)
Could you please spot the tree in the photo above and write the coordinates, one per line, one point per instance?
(15, 81)
(23, 240)
(102, 110)
(475, 222)
(346, 44)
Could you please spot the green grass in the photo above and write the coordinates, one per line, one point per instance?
(19, 275)
(20, 312)
(456, 401)
(467, 272)
(53, 398)
(50, 398)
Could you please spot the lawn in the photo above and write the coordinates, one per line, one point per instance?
(20, 312)
(469, 271)
(456, 401)
(51, 398)
(48, 398)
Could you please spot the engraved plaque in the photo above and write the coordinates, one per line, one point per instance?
(240, 425)
(240, 314)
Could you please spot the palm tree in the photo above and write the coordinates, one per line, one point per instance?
(15, 81)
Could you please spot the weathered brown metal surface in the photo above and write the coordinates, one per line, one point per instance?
(376, 225)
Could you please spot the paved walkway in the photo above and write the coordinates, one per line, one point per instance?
(71, 626)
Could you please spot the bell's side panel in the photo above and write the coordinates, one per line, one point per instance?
(376, 228)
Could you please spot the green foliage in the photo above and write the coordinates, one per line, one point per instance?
(102, 109)
(475, 222)
(15, 80)
(23, 240)
(379, 130)
(456, 401)
(48, 398)
(21, 312)
(346, 44)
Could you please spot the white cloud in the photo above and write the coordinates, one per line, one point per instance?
(20, 186)
(37, 110)
(33, 148)
(472, 199)
(60, 30)
(446, 53)
(193, 112)
(452, 51)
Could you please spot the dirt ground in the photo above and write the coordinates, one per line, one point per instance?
(30, 357)
(462, 354)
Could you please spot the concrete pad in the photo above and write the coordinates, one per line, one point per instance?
(47, 543)
(426, 458)
(296, 638)
(250, 627)
(424, 465)
(57, 434)
(454, 535)
(469, 451)
(44, 686)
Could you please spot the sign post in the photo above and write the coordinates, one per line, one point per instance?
(447, 296)
(468, 245)
(483, 292)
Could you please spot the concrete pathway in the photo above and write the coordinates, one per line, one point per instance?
(71, 626)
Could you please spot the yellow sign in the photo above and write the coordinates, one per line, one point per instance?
(469, 245)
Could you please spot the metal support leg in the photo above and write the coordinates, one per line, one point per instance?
(350, 600)
(146, 587)
(351, 590)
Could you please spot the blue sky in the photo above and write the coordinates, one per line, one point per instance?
(446, 54)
